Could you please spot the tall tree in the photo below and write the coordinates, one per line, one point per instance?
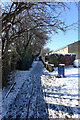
(38, 16)
(28, 25)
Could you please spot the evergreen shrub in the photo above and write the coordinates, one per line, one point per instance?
(53, 59)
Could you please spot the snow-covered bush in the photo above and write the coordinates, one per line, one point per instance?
(76, 63)
(61, 58)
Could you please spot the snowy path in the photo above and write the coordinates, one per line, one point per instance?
(39, 94)
(29, 102)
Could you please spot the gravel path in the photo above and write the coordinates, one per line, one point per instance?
(29, 102)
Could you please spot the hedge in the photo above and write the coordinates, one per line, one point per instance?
(66, 59)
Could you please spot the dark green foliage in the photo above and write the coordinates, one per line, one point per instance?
(25, 61)
(15, 61)
(49, 67)
(53, 59)
(73, 57)
(46, 58)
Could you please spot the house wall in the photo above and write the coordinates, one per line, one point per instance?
(72, 48)
(62, 50)
(75, 48)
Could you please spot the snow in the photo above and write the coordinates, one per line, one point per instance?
(60, 95)
(63, 53)
(77, 63)
(62, 64)
(19, 77)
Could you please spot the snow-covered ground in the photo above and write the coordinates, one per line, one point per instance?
(19, 77)
(38, 93)
(62, 94)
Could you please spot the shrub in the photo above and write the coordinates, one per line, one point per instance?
(56, 59)
(50, 68)
(67, 60)
(46, 58)
(73, 57)
(59, 57)
(25, 62)
(53, 59)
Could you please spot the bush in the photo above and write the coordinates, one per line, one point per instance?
(53, 59)
(67, 60)
(14, 61)
(24, 63)
(73, 57)
(56, 59)
(59, 57)
(49, 68)
(46, 58)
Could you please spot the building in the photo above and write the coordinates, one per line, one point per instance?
(71, 48)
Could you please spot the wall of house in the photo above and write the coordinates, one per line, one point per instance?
(62, 50)
(72, 48)
(75, 48)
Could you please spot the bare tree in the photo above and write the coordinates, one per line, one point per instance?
(37, 16)
(28, 25)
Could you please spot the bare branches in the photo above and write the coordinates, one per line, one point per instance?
(21, 7)
(40, 19)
